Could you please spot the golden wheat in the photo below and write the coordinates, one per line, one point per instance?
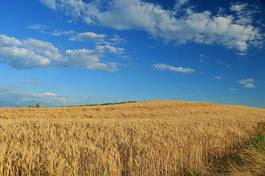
(150, 138)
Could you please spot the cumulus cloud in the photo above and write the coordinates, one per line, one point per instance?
(88, 59)
(28, 53)
(244, 13)
(10, 97)
(247, 83)
(178, 26)
(165, 67)
(9, 41)
(33, 53)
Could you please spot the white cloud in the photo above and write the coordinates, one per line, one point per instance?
(22, 58)
(247, 83)
(165, 67)
(180, 3)
(11, 97)
(28, 53)
(244, 13)
(61, 33)
(115, 40)
(49, 3)
(88, 59)
(32, 53)
(104, 42)
(110, 49)
(177, 25)
(9, 41)
(43, 48)
(88, 36)
(43, 29)
(238, 7)
(18, 97)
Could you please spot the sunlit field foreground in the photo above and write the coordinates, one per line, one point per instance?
(148, 138)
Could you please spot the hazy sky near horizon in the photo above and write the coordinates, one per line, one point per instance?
(65, 52)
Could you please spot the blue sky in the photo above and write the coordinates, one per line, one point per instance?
(65, 52)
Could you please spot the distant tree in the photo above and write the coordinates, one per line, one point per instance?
(37, 106)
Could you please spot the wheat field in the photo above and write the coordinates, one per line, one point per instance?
(146, 138)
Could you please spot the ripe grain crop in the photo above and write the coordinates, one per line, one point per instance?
(145, 138)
